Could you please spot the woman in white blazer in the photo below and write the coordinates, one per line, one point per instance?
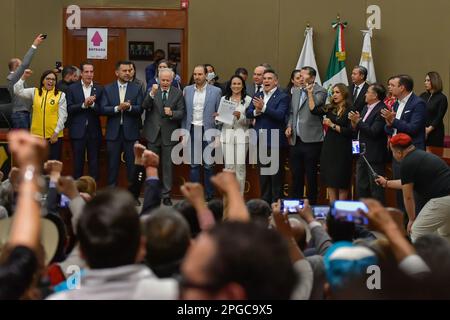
(234, 137)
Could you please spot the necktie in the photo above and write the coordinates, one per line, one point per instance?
(164, 97)
(259, 89)
(122, 91)
(355, 93)
(302, 100)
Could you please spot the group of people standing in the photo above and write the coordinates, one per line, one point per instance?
(315, 131)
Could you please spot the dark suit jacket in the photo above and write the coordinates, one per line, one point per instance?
(274, 118)
(360, 102)
(412, 121)
(156, 120)
(131, 119)
(78, 116)
(371, 132)
(152, 195)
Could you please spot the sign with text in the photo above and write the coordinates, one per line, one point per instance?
(97, 43)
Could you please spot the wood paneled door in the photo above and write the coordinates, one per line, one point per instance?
(76, 52)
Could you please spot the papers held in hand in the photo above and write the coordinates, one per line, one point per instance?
(226, 109)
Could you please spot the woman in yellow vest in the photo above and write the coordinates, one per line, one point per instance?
(49, 110)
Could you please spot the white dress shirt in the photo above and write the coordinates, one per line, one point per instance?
(87, 90)
(267, 96)
(401, 106)
(199, 105)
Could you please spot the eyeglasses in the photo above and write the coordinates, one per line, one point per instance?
(50, 79)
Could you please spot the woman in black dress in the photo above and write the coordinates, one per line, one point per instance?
(436, 108)
(336, 157)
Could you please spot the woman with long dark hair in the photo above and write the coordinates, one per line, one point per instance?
(49, 110)
(336, 157)
(437, 105)
(234, 137)
(294, 81)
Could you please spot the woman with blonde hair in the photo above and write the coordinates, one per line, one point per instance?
(336, 157)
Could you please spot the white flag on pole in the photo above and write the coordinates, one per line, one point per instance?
(366, 56)
(307, 58)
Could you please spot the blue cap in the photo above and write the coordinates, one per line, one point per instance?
(345, 261)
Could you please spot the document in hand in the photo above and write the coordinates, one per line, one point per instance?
(226, 109)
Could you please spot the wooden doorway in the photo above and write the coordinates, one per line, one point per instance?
(118, 20)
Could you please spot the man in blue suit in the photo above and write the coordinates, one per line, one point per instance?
(409, 112)
(202, 102)
(83, 106)
(408, 116)
(121, 102)
(271, 111)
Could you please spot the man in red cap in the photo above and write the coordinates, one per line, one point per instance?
(429, 177)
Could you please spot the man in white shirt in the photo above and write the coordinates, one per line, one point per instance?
(202, 102)
(83, 106)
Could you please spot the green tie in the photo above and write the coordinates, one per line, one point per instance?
(164, 97)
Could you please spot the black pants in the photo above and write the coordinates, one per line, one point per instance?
(365, 183)
(304, 158)
(115, 149)
(80, 147)
(55, 150)
(271, 184)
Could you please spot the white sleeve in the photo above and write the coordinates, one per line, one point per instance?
(62, 113)
(20, 91)
(303, 288)
(413, 265)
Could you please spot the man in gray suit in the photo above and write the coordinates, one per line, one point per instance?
(21, 108)
(305, 134)
(164, 110)
(202, 102)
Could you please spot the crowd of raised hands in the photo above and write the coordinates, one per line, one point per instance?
(318, 274)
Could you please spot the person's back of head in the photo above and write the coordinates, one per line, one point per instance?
(216, 207)
(189, 213)
(167, 237)
(109, 230)
(87, 185)
(259, 211)
(68, 71)
(435, 251)
(340, 230)
(255, 257)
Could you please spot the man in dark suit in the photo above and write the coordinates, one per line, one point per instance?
(164, 110)
(271, 110)
(257, 85)
(408, 116)
(305, 134)
(358, 88)
(83, 107)
(370, 127)
(121, 102)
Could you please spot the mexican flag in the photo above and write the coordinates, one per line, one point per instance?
(336, 72)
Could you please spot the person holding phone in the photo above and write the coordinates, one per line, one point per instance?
(305, 133)
(369, 128)
(426, 175)
(21, 116)
(83, 106)
(164, 110)
(336, 156)
(49, 110)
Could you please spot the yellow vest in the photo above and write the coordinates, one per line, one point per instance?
(45, 113)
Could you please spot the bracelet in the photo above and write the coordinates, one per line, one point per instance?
(29, 173)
